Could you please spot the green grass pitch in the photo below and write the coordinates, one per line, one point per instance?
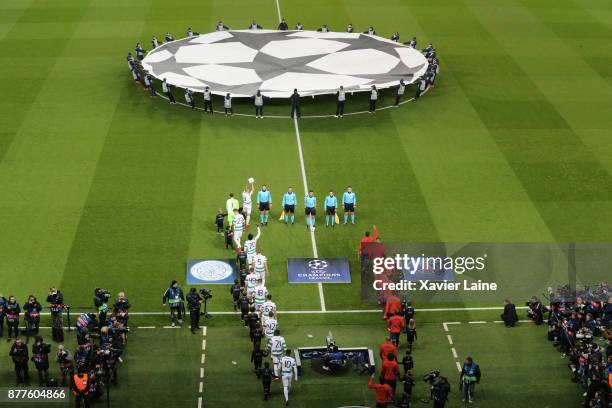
(101, 186)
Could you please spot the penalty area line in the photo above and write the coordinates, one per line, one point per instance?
(313, 239)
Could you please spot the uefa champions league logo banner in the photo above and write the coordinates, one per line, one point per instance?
(487, 272)
(211, 271)
(318, 270)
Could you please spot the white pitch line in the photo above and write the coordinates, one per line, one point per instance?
(201, 387)
(204, 344)
(478, 322)
(201, 372)
(203, 360)
(145, 327)
(458, 366)
(204, 331)
(313, 239)
(450, 339)
(445, 309)
(278, 11)
(199, 402)
(445, 325)
(454, 352)
(172, 327)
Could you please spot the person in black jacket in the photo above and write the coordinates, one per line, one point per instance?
(56, 306)
(266, 374)
(40, 357)
(509, 316)
(19, 355)
(440, 392)
(295, 104)
(12, 312)
(32, 310)
(283, 25)
(257, 359)
(194, 302)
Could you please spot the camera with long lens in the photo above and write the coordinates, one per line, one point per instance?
(206, 293)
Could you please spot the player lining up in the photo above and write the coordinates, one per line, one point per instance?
(289, 371)
(250, 246)
(238, 228)
(277, 347)
(246, 200)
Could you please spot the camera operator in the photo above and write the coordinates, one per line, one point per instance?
(19, 355)
(194, 303)
(12, 317)
(100, 300)
(440, 391)
(40, 357)
(536, 310)
(32, 310)
(174, 296)
(2, 312)
(56, 306)
(469, 377)
(121, 308)
(85, 324)
(64, 360)
(79, 384)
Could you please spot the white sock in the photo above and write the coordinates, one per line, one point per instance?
(276, 370)
(248, 220)
(286, 392)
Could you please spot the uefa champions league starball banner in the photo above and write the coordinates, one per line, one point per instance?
(211, 271)
(318, 270)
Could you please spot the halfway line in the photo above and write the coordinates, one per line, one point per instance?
(313, 239)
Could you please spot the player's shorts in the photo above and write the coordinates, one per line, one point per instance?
(246, 208)
(276, 358)
(289, 208)
(258, 306)
(237, 235)
(287, 380)
(250, 259)
(264, 206)
(250, 290)
(349, 207)
(311, 211)
(330, 210)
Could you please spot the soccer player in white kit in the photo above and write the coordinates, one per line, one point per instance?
(238, 227)
(270, 325)
(250, 246)
(260, 263)
(247, 203)
(260, 294)
(251, 282)
(288, 371)
(277, 348)
(268, 306)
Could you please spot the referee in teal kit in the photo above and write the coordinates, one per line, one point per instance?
(289, 201)
(331, 203)
(310, 203)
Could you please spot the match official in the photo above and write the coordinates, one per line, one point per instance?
(264, 202)
(289, 201)
(349, 202)
(310, 204)
(194, 302)
(331, 203)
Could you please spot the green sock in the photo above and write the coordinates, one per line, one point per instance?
(286, 218)
(292, 218)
